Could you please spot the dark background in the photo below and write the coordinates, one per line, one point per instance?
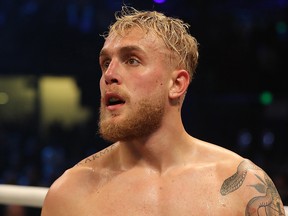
(243, 55)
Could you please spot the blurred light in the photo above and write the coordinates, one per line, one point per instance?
(266, 98)
(4, 98)
(244, 139)
(159, 1)
(56, 94)
(2, 19)
(86, 23)
(268, 140)
(282, 3)
(30, 7)
(281, 27)
(72, 14)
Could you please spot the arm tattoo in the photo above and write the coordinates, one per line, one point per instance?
(270, 201)
(235, 181)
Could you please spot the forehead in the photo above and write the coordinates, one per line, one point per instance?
(145, 40)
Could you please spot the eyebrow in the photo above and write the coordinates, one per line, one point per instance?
(124, 49)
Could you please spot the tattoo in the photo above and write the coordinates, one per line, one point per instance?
(270, 202)
(97, 155)
(235, 181)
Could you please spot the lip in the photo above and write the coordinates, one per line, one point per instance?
(110, 95)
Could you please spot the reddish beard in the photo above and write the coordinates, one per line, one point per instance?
(145, 118)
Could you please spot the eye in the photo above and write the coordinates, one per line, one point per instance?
(105, 64)
(133, 61)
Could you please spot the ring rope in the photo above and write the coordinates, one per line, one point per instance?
(30, 196)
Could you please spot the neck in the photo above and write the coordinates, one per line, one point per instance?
(162, 149)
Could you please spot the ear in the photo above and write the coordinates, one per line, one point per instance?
(179, 83)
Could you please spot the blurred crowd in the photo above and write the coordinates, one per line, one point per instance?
(243, 47)
(30, 159)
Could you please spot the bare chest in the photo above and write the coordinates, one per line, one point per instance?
(151, 196)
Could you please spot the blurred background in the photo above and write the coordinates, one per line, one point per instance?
(49, 74)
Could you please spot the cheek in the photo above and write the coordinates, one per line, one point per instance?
(153, 88)
(101, 84)
(102, 79)
(144, 88)
(153, 81)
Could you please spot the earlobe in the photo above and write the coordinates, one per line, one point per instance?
(180, 82)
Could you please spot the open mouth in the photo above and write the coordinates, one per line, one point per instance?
(113, 100)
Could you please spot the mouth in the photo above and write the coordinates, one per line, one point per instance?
(112, 101)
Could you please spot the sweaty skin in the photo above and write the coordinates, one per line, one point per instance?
(161, 171)
(98, 185)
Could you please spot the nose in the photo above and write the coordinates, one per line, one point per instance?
(111, 75)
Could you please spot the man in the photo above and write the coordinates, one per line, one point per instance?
(154, 167)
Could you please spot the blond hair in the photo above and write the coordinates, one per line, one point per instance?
(173, 31)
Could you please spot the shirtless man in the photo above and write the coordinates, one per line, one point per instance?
(154, 167)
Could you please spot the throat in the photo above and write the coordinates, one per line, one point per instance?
(157, 159)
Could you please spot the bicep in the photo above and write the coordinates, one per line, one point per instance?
(57, 199)
(263, 194)
(53, 205)
(255, 189)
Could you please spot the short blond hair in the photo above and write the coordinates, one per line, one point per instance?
(173, 31)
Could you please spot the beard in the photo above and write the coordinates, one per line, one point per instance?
(144, 119)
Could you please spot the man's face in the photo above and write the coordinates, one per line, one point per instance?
(134, 85)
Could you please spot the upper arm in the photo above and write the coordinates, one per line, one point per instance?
(49, 207)
(66, 196)
(61, 195)
(255, 188)
(265, 196)
(54, 202)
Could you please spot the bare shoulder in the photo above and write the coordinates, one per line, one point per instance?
(224, 159)
(252, 185)
(75, 184)
(64, 191)
(243, 183)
